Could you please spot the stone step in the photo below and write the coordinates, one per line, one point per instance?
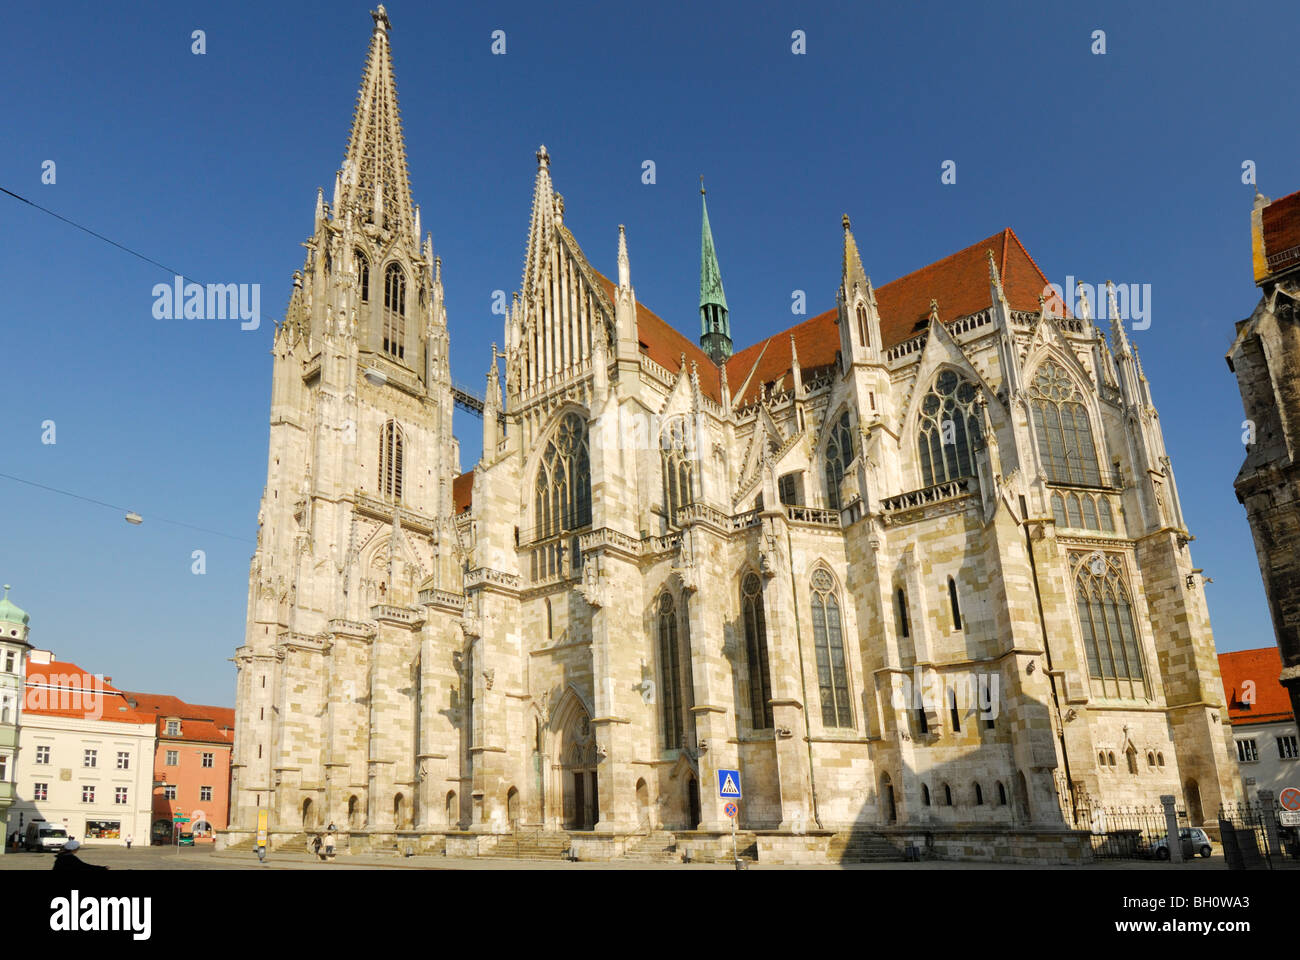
(860, 847)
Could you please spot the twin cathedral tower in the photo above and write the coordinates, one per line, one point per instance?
(795, 559)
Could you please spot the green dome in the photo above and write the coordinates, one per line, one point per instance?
(11, 613)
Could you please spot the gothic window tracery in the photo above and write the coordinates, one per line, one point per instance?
(862, 325)
(948, 429)
(828, 642)
(562, 493)
(363, 276)
(671, 699)
(760, 678)
(392, 442)
(1062, 427)
(839, 454)
(395, 312)
(678, 467)
(1110, 638)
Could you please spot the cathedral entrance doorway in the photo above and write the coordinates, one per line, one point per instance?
(578, 771)
(692, 804)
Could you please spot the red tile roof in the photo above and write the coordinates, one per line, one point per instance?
(198, 722)
(63, 689)
(959, 283)
(462, 492)
(1261, 668)
(664, 344)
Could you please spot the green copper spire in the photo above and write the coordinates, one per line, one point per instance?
(715, 328)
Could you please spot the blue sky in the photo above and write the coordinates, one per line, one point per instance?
(1124, 166)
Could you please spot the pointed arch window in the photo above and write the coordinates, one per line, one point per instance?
(392, 448)
(562, 494)
(862, 325)
(948, 430)
(395, 312)
(828, 642)
(1106, 621)
(760, 678)
(363, 275)
(900, 602)
(839, 454)
(672, 701)
(678, 466)
(1062, 427)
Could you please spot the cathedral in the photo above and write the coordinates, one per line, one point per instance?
(916, 565)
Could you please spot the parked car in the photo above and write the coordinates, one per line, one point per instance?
(186, 839)
(1193, 837)
(43, 835)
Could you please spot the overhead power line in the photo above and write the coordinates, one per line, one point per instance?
(123, 510)
(95, 234)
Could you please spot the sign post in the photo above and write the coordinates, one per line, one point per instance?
(729, 790)
(261, 835)
(1289, 800)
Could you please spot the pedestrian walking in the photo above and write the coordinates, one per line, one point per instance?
(128, 841)
(329, 842)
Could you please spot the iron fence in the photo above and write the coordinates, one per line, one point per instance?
(1254, 837)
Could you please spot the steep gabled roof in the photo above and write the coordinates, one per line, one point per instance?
(959, 282)
(664, 344)
(1261, 669)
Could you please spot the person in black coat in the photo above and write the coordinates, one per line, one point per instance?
(67, 859)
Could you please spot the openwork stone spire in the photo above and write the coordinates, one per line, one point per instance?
(541, 225)
(375, 186)
(715, 326)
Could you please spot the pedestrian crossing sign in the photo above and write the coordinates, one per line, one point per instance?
(729, 784)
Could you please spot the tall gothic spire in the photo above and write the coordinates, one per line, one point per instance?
(715, 327)
(374, 184)
(541, 225)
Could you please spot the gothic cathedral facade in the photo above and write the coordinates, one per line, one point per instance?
(916, 562)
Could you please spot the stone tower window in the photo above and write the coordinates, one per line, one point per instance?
(1062, 427)
(670, 664)
(956, 607)
(839, 454)
(562, 499)
(679, 467)
(862, 325)
(828, 642)
(391, 449)
(900, 601)
(1106, 621)
(947, 430)
(760, 678)
(395, 312)
(363, 276)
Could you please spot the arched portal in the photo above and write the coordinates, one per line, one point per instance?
(692, 804)
(401, 813)
(308, 815)
(578, 769)
(888, 803)
(643, 804)
(512, 808)
(354, 813)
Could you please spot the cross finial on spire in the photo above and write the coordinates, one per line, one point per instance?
(701, 184)
(381, 18)
(543, 158)
(845, 221)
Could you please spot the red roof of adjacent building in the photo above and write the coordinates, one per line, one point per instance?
(1281, 220)
(1253, 674)
(198, 722)
(63, 689)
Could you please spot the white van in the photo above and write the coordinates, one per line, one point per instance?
(42, 835)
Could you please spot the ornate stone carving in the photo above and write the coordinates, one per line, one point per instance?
(594, 586)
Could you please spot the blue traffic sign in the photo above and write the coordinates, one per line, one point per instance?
(729, 784)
